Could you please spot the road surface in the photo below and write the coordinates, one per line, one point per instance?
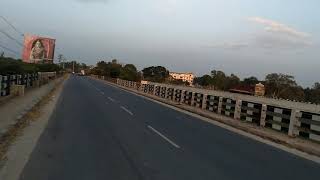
(101, 132)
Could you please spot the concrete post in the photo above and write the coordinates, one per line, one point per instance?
(168, 93)
(237, 113)
(154, 90)
(295, 114)
(192, 98)
(263, 115)
(174, 95)
(182, 96)
(17, 90)
(204, 101)
(220, 105)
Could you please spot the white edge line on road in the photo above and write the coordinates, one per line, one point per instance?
(126, 110)
(111, 99)
(164, 137)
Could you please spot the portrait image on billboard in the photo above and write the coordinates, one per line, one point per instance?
(38, 49)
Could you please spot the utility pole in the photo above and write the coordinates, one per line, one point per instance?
(60, 59)
(73, 66)
(63, 59)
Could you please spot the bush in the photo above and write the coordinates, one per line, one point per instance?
(14, 66)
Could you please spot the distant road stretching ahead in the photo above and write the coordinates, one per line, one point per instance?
(101, 132)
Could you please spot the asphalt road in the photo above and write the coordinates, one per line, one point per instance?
(101, 132)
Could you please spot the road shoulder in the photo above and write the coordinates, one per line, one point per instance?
(22, 145)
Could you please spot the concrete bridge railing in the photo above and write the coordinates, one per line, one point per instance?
(292, 118)
(10, 84)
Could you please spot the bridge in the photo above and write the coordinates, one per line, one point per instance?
(107, 130)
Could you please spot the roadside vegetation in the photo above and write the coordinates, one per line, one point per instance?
(277, 85)
(16, 66)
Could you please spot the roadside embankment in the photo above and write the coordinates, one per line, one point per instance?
(18, 142)
(15, 113)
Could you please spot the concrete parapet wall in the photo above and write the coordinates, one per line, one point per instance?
(17, 90)
(8, 81)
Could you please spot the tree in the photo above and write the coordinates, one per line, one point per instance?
(283, 86)
(2, 55)
(14, 66)
(218, 79)
(231, 82)
(129, 72)
(250, 81)
(155, 74)
(115, 69)
(114, 61)
(316, 86)
(205, 80)
(223, 82)
(313, 94)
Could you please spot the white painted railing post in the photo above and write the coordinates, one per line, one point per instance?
(263, 115)
(220, 105)
(192, 98)
(182, 96)
(204, 101)
(237, 109)
(295, 114)
(174, 94)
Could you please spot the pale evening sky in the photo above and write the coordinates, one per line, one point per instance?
(244, 37)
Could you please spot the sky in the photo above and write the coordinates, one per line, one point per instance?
(243, 37)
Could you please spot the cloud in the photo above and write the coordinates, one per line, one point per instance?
(274, 26)
(276, 36)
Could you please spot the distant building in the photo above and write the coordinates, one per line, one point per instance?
(185, 77)
(144, 82)
(260, 90)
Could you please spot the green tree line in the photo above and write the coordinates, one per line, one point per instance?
(277, 85)
(13, 66)
(114, 69)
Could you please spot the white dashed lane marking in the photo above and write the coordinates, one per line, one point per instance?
(164, 137)
(111, 99)
(126, 110)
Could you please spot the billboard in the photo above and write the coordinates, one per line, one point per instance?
(38, 49)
